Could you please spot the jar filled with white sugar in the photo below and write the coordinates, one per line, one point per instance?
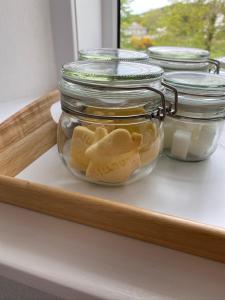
(182, 59)
(193, 134)
(110, 131)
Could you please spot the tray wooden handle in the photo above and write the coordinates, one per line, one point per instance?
(27, 134)
(161, 229)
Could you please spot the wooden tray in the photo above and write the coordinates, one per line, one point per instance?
(29, 133)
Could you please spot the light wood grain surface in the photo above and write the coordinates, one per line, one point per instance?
(27, 134)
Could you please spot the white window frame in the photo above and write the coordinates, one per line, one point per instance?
(64, 30)
(71, 33)
(110, 23)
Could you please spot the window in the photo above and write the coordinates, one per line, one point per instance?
(190, 23)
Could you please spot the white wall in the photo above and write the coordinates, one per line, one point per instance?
(27, 56)
(37, 36)
(97, 23)
(89, 20)
(64, 31)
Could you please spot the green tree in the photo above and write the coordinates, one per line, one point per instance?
(141, 43)
(197, 22)
(125, 14)
(125, 10)
(215, 24)
(191, 23)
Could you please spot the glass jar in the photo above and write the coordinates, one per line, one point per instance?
(222, 65)
(107, 54)
(110, 129)
(193, 134)
(182, 59)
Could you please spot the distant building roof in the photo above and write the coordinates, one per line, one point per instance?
(136, 29)
(136, 25)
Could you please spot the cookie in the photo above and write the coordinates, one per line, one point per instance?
(82, 138)
(100, 132)
(116, 169)
(117, 142)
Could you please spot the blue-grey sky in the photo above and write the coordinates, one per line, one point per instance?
(141, 6)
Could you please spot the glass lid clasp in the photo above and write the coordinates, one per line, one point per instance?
(216, 65)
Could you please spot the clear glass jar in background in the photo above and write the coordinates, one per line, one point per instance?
(109, 54)
(182, 59)
(193, 134)
(222, 65)
(110, 129)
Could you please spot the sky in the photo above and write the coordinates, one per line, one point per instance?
(141, 6)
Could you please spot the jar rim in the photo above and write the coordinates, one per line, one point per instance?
(110, 73)
(196, 83)
(111, 54)
(178, 54)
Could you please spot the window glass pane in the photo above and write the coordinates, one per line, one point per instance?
(190, 23)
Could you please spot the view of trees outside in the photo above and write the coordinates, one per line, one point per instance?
(189, 23)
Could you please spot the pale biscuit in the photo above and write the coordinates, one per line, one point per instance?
(100, 133)
(115, 111)
(116, 169)
(147, 129)
(150, 133)
(129, 111)
(117, 142)
(82, 138)
(112, 124)
(94, 111)
(93, 123)
(149, 154)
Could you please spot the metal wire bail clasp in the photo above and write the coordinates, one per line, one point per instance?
(164, 110)
(171, 110)
(216, 65)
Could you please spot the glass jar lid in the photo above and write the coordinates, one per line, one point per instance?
(110, 73)
(178, 54)
(107, 54)
(196, 83)
(200, 95)
(110, 85)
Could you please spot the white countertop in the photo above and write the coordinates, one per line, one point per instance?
(73, 261)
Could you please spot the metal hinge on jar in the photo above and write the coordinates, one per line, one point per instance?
(159, 113)
(216, 65)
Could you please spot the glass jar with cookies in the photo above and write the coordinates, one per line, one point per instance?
(110, 131)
